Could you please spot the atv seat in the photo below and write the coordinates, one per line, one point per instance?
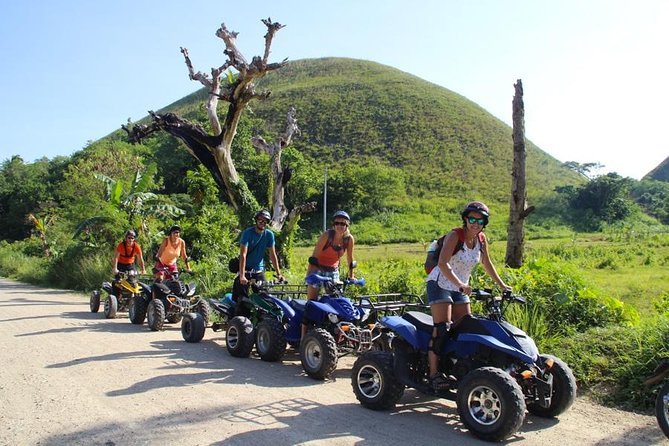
(298, 304)
(422, 321)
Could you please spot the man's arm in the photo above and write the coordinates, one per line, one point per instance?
(275, 262)
(243, 249)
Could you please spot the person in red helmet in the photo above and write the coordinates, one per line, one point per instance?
(448, 286)
(125, 254)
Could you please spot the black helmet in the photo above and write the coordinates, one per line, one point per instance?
(476, 206)
(130, 232)
(264, 213)
(174, 228)
(342, 214)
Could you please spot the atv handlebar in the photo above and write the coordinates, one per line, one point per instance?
(486, 295)
(317, 279)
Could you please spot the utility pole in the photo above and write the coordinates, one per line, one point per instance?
(325, 200)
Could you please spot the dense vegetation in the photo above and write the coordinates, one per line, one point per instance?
(403, 156)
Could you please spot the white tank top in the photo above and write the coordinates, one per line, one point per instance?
(462, 263)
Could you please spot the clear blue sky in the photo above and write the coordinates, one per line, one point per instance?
(595, 72)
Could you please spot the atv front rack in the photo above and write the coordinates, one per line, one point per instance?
(390, 304)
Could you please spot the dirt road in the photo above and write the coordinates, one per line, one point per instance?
(68, 376)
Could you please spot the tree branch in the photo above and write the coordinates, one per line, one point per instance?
(272, 28)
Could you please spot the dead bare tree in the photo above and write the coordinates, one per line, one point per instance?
(214, 150)
(518, 204)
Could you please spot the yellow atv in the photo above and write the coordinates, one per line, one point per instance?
(123, 294)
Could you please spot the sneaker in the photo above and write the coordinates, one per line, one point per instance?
(440, 382)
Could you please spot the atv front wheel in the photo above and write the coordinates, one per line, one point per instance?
(94, 301)
(155, 315)
(111, 306)
(174, 318)
(270, 340)
(374, 382)
(137, 310)
(318, 353)
(563, 393)
(192, 327)
(202, 307)
(382, 343)
(490, 403)
(662, 408)
(239, 337)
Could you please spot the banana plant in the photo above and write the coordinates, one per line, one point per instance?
(40, 225)
(137, 203)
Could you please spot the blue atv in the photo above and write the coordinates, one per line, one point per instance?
(496, 371)
(336, 326)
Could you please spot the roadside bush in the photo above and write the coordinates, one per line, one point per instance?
(568, 304)
(612, 362)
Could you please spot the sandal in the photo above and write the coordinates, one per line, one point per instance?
(440, 382)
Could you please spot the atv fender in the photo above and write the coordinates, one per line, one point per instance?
(317, 311)
(287, 310)
(489, 341)
(107, 286)
(406, 331)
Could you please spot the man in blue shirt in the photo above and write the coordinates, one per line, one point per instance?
(253, 243)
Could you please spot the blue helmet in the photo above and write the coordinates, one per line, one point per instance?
(342, 214)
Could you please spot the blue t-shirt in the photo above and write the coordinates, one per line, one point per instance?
(256, 245)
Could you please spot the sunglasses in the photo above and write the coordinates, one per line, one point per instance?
(474, 220)
(262, 220)
(340, 223)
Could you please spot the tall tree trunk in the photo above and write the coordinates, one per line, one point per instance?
(518, 209)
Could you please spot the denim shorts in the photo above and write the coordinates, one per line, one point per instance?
(438, 295)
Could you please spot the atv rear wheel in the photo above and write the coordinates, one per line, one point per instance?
(490, 403)
(192, 327)
(563, 393)
(239, 337)
(137, 310)
(318, 353)
(374, 382)
(111, 306)
(155, 315)
(94, 301)
(270, 340)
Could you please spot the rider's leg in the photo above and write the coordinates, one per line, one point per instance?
(312, 293)
(461, 306)
(460, 310)
(441, 316)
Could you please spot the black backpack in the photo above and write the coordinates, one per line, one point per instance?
(433, 256)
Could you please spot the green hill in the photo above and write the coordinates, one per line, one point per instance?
(355, 109)
(660, 173)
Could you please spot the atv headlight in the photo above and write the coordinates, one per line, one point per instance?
(333, 318)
